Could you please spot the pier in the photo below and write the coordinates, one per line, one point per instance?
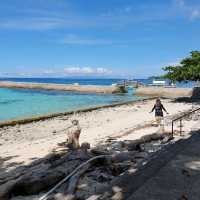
(130, 83)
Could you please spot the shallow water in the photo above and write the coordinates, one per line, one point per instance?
(20, 103)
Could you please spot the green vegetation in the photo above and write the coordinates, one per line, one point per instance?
(187, 70)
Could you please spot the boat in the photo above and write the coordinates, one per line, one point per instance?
(161, 83)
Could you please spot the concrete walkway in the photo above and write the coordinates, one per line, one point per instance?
(178, 179)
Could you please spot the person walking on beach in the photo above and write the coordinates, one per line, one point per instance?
(158, 107)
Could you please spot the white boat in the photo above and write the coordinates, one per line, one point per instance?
(161, 83)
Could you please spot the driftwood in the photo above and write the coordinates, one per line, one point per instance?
(135, 144)
(80, 167)
(74, 179)
(69, 195)
(41, 175)
(45, 173)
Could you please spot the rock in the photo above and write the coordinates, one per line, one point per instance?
(29, 185)
(117, 193)
(141, 155)
(117, 145)
(5, 190)
(166, 139)
(79, 154)
(132, 145)
(124, 156)
(61, 196)
(102, 177)
(117, 196)
(119, 168)
(99, 151)
(85, 145)
(87, 187)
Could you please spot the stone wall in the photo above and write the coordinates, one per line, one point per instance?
(164, 92)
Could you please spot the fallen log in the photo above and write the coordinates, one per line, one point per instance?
(135, 144)
(54, 168)
(42, 175)
(74, 179)
(45, 197)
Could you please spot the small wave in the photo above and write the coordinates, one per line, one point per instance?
(10, 101)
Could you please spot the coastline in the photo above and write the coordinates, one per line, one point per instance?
(27, 120)
(23, 143)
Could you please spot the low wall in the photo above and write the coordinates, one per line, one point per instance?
(164, 92)
(61, 87)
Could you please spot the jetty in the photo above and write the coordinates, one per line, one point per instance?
(63, 87)
(164, 92)
(130, 83)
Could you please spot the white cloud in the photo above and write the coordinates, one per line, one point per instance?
(60, 72)
(86, 71)
(72, 39)
(180, 3)
(49, 71)
(101, 70)
(191, 11)
(116, 17)
(36, 23)
(195, 13)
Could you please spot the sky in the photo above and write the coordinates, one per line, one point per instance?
(96, 38)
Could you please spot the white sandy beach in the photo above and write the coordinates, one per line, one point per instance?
(22, 144)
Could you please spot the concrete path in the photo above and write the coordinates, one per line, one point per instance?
(178, 179)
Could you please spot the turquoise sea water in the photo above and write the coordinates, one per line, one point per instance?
(21, 103)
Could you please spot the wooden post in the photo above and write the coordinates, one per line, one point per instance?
(180, 127)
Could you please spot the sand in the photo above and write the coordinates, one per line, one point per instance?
(21, 144)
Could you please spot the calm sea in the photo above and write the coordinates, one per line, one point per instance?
(21, 103)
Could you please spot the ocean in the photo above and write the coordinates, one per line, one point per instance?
(22, 103)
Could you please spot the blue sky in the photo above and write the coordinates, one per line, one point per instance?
(99, 38)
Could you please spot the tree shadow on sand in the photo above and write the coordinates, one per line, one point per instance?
(187, 100)
(44, 173)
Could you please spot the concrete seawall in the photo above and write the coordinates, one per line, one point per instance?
(61, 87)
(164, 92)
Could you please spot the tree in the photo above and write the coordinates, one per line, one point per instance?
(187, 70)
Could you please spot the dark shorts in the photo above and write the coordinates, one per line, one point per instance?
(159, 114)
